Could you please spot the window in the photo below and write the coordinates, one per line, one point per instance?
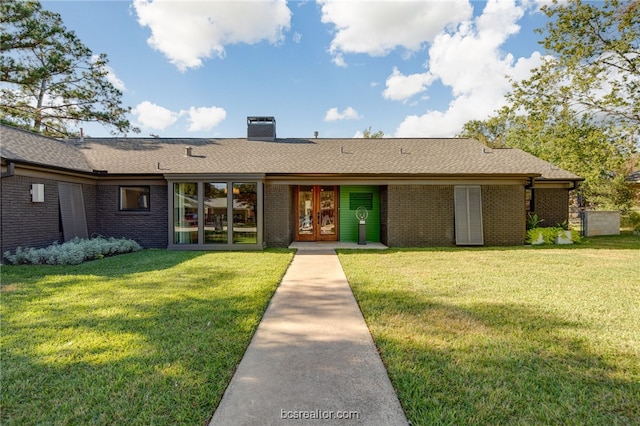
(468, 215)
(185, 213)
(245, 227)
(134, 198)
(215, 213)
(529, 200)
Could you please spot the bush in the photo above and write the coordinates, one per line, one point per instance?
(549, 235)
(631, 221)
(72, 252)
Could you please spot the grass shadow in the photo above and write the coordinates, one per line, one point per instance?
(496, 363)
(146, 338)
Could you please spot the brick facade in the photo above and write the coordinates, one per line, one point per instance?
(27, 224)
(503, 215)
(279, 214)
(418, 215)
(424, 215)
(410, 215)
(148, 228)
(551, 205)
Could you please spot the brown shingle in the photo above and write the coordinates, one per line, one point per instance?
(22, 146)
(388, 156)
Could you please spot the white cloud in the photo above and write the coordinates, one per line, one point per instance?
(205, 118)
(187, 32)
(402, 87)
(111, 75)
(347, 114)
(471, 62)
(152, 116)
(376, 28)
(297, 37)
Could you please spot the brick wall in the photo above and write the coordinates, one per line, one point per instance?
(384, 215)
(419, 215)
(28, 224)
(424, 215)
(503, 215)
(149, 229)
(552, 205)
(279, 213)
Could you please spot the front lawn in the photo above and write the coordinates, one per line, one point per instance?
(151, 337)
(525, 335)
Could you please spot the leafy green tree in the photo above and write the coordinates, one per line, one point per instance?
(368, 134)
(596, 56)
(49, 79)
(580, 107)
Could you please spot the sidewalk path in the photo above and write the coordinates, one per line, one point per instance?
(312, 359)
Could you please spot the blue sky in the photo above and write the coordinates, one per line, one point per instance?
(408, 68)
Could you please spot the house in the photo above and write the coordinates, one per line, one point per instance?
(263, 191)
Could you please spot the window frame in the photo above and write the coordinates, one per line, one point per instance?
(121, 199)
(201, 180)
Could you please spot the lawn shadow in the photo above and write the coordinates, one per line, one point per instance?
(170, 360)
(116, 345)
(503, 363)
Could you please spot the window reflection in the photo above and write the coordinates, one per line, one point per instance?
(245, 227)
(215, 213)
(185, 215)
(305, 209)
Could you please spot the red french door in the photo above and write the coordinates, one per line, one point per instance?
(317, 213)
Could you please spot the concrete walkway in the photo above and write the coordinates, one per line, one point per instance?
(312, 359)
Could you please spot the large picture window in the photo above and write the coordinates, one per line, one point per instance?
(215, 213)
(134, 198)
(185, 213)
(245, 227)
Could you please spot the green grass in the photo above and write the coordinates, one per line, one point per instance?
(525, 335)
(151, 337)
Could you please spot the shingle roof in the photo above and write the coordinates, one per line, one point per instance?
(388, 156)
(27, 147)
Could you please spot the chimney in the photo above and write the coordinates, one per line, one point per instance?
(261, 129)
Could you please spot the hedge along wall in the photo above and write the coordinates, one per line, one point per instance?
(349, 222)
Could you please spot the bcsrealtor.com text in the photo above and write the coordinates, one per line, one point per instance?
(318, 415)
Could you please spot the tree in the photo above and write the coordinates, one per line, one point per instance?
(580, 109)
(368, 135)
(596, 62)
(49, 78)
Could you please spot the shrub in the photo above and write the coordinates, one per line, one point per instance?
(72, 252)
(549, 235)
(631, 220)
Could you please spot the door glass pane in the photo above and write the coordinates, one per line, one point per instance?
(327, 210)
(305, 209)
(215, 213)
(245, 227)
(185, 213)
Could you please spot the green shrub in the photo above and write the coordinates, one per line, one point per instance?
(549, 235)
(72, 252)
(631, 220)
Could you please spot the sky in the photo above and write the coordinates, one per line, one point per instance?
(406, 68)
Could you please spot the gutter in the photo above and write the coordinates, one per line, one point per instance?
(11, 170)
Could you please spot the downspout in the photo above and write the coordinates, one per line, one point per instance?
(11, 170)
